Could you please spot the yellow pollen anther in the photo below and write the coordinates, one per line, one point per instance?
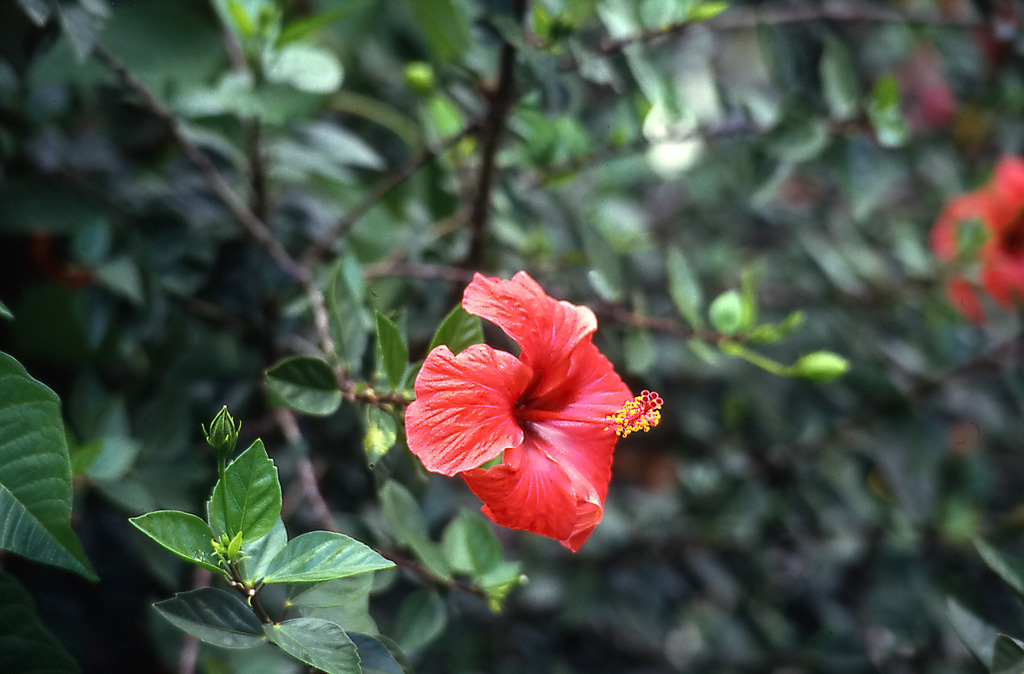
(642, 413)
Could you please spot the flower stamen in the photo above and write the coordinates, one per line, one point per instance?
(642, 413)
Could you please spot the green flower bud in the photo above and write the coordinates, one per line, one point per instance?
(420, 79)
(223, 433)
(822, 366)
(726, 312)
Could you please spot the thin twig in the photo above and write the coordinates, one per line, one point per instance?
(258, 171)
(499, 105)
(418, 271)
(322, 245)
(249, 221)
(790, 15)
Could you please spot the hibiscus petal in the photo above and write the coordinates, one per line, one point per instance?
(963, 297)
(556, 482)
(529, 491)
(584, 449)
(1008, 181)
(462, 416)
(976, 205)
(1003, 278)
(547, 330)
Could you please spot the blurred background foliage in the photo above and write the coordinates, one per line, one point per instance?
(637, 157)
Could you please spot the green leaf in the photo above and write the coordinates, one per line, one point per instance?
(215, 616)
(406, 522)
(240, 17)
(248, 499)
(726, 312)
(884, 110)
(839, 79)
(640, 351)
(345, 310)
(684, 289)
(261, 552)
(420, 620)
(374, 656)
(706, 10)
(1009, 569)
(184, 534)
(381, 434)
(305, 384)
(704, 351)
(5, 312)
(306, 67)
(318, 643)
(459, 330)
(37, 10)
(393, 352)
(472, 548)
(301, 28)
(26, 647)
(444, 25)
(338, 592)
(976, 635)
(35, 473)
(1007, 656)
(323, 555)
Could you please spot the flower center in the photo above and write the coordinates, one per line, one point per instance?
(642, 413)
(1012, 241)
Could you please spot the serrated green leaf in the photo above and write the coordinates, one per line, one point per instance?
(262, 551)
(249, 497)
(459, 330)
(683, 288)
(391, 347)
(302, 28)
(344, 306)
(35, 473)
(403, 515)
(323, 555)
(337, 592)
(215, 616)
(839, 79)
(1009, 569)
(305, 384)
(381, 434)
(318, 643)
(374, 656)
(444, 25)
(420, 620)
(26, 647)
(1007, 656)
(184, 534)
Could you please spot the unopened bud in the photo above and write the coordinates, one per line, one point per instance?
(223, 434)
(822, 366)
(420, 79)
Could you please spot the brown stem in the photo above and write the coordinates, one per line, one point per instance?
(258, 171)
(500, 102)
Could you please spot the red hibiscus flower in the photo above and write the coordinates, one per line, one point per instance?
(985, 228)
(552, 415)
